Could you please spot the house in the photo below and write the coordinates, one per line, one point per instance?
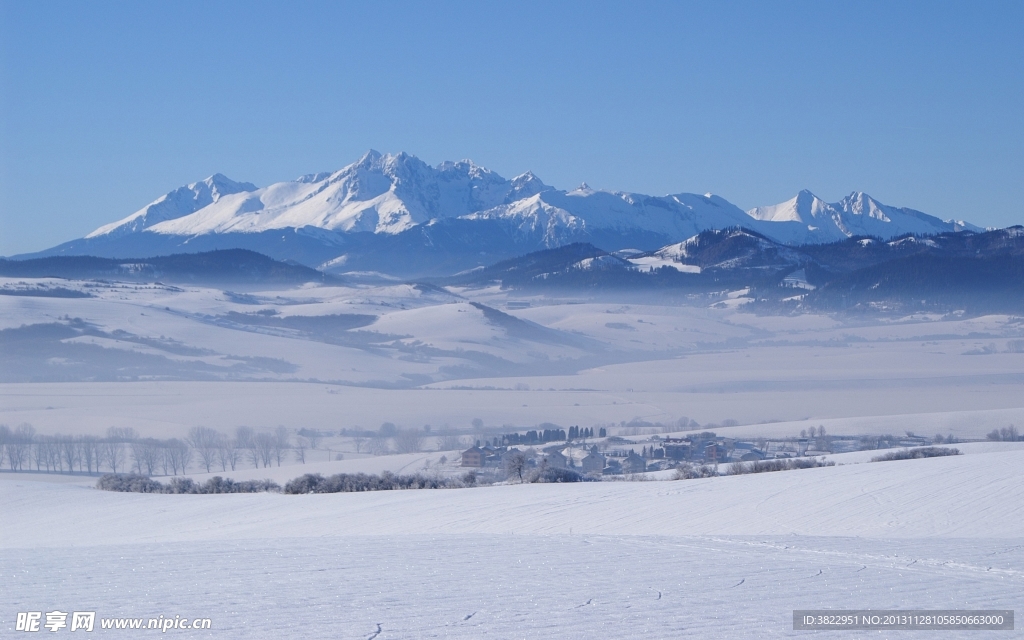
(745, 455)
(494, 456)
(633, 463)
(613, 468)
(713, 452)
(556, 460)
(594, 462)
(677, 448)
(745, 452)
(473, 457)
(506, 455)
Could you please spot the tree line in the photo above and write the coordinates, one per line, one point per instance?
(122, 450)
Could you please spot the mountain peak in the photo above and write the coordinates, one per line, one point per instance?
(528, 178)
(807, 196)
(221, 185)
(805, 208)
(370, 157)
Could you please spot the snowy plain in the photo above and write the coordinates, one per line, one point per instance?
(727, 557)
(175, 357)
(719, 557)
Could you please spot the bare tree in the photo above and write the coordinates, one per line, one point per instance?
(515, 464)
(145, 455)
(280, 443)
(358, 441)
(112, 451)
(5, 437)
(314, 438)
(206, 442)
(40, 451)
(245, 439)
(125, 434)
(300, 449)
(378, 446)
(51, 452)
(89, 446)
(19, 447)
(263, 445)
(408, 441)
(450, 442)
(224, 453)
(179, 454)
(229, 453)
(167, 459)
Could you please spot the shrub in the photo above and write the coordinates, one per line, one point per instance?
(307, 483)
(777, 464)
(182, 485)
(142, 484)
(922, 452)
(129, 482)
(808, 463)
(551, 474)
(689, 471)
(355, 482)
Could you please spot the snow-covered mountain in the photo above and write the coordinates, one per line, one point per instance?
(379, 194)
(807, 219)
(176, 204)
(399, 205)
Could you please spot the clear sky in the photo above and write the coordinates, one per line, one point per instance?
(104, 106)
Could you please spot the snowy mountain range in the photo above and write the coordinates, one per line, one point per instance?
(397, 210)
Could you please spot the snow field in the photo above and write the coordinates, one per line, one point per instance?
(513, 586)
(727, 557)
(957, 496)
(170, 409)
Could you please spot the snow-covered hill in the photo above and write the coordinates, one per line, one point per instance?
(458, 215)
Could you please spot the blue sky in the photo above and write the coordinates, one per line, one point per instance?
(104, 106)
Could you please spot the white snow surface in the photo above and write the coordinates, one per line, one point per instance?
(979, 495)
(720, 557)
(430, 357)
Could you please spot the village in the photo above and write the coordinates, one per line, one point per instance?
(578, 450)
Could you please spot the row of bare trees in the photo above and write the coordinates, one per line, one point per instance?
(122, 450)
